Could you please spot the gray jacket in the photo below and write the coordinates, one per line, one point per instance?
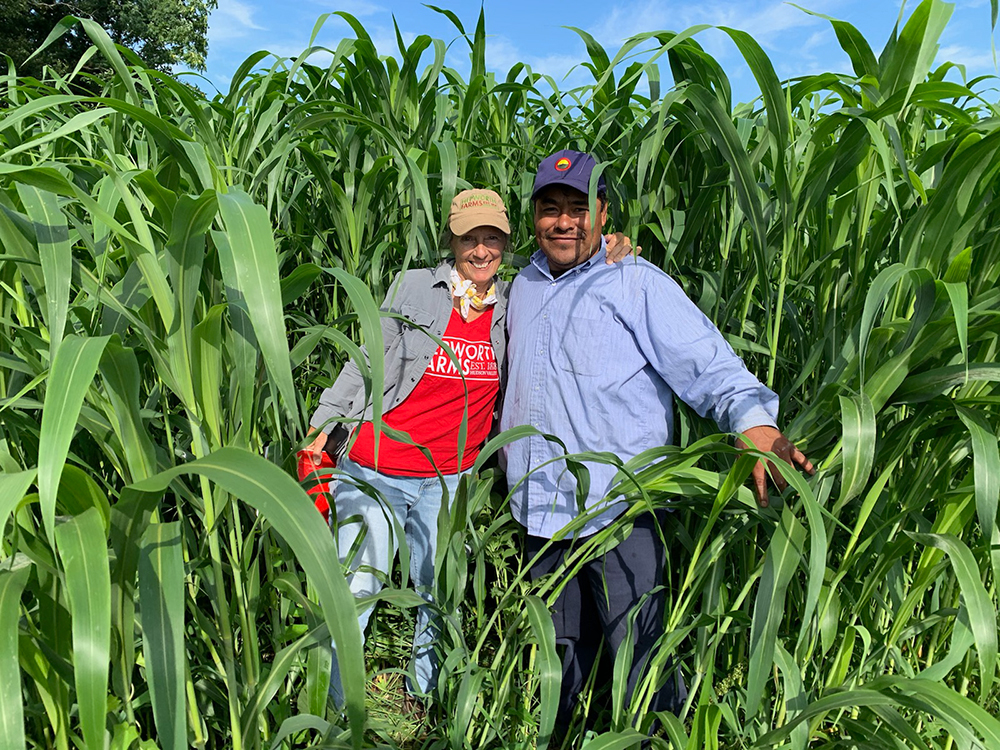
(423, 296)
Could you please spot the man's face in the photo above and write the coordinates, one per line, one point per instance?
(564, 229)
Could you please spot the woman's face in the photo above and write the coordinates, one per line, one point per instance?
(477, 254)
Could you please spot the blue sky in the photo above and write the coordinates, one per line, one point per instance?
(533, 32)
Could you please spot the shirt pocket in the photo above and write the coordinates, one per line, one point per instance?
(582, 347)
(414, 340)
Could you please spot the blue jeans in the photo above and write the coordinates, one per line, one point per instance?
(410, 504)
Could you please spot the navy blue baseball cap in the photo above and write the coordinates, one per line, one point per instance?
(569, 168)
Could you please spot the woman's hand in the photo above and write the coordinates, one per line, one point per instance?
(619, 247)
(315, 448)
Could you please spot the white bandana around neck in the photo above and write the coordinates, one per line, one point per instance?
(465, 290)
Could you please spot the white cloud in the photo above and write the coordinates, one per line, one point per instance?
(384, 39)
(797, 42)
(357, 8)
(231, 19)
(975, 61)
(320, 58)
(767, 21)
(502, 54)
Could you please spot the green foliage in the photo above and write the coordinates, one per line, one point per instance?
(163, 33)
(180, 277)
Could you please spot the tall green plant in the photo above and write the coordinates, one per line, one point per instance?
(181, 276)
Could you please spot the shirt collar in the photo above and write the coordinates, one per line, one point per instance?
(442, 274)
(540, 262)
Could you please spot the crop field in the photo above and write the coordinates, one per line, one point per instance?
(181, 276)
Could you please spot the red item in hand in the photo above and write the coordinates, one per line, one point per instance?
(318, 478)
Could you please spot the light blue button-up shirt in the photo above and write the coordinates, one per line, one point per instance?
(595, 358)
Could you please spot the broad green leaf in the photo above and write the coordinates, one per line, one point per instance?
(78, 492)
(958, 269)
(185, 247)
(281, 501)
(705, 729)
(982, 613)
(852, 42)
(283, 662)
(549, 667)
(161, 601)
(72, 373)
(962, 640)
(298, 724)
(778, 121)
(251, 244)
(470, 690)
(83, 550)
(145, 251)
(614, 741)
(874, 299)
(13, 577)
(42, 177)
(52, 236)
(129, 519)
(243, 342)
(103, 42)
(858, 417)
(371, 330)
(819, 545)
(718, 124)
(958, 293)
(955, 710)
(940, 380)
(77, 123)
(32, 108)
(986, 468)
(857, 48)
(295, 284)
(784, 553)
(120, 373)
(795, 696)
(13, 487)
(207, 364)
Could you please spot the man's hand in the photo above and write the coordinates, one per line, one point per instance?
(770, 439)
(619, 247)
(316, 446)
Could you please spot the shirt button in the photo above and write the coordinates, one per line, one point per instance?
(552, 283)
(541, 351)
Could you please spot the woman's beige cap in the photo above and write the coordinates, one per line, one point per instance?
(477, 208)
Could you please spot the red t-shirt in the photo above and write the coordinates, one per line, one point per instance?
(433, 412)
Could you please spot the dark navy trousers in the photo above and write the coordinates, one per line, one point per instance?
(596, 603)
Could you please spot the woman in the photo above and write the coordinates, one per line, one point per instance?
(462, 303)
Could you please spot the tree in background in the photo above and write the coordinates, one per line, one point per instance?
(161, 32)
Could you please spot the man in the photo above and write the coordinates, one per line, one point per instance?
(596, 355)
